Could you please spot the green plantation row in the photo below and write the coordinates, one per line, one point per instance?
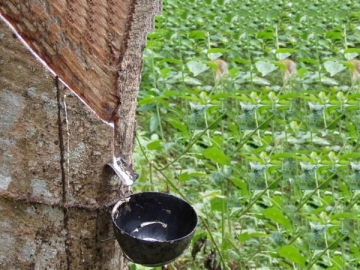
(250, 110)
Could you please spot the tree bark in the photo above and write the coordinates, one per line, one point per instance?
(56, 191)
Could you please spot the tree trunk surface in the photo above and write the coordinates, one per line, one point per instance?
(56, 192)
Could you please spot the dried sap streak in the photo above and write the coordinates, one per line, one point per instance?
(82, 41)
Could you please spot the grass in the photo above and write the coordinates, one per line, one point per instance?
(250, 111)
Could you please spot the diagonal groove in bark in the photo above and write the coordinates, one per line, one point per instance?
(83, 42)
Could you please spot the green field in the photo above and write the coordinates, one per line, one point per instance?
(250, 110)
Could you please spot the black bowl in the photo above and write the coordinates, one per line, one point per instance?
(153, 228)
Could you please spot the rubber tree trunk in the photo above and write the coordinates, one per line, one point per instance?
(56, 191)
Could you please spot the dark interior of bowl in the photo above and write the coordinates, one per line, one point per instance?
(154, 228)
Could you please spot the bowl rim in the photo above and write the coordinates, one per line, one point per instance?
(127, 199)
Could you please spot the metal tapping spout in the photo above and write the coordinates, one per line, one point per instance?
(125, 172)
